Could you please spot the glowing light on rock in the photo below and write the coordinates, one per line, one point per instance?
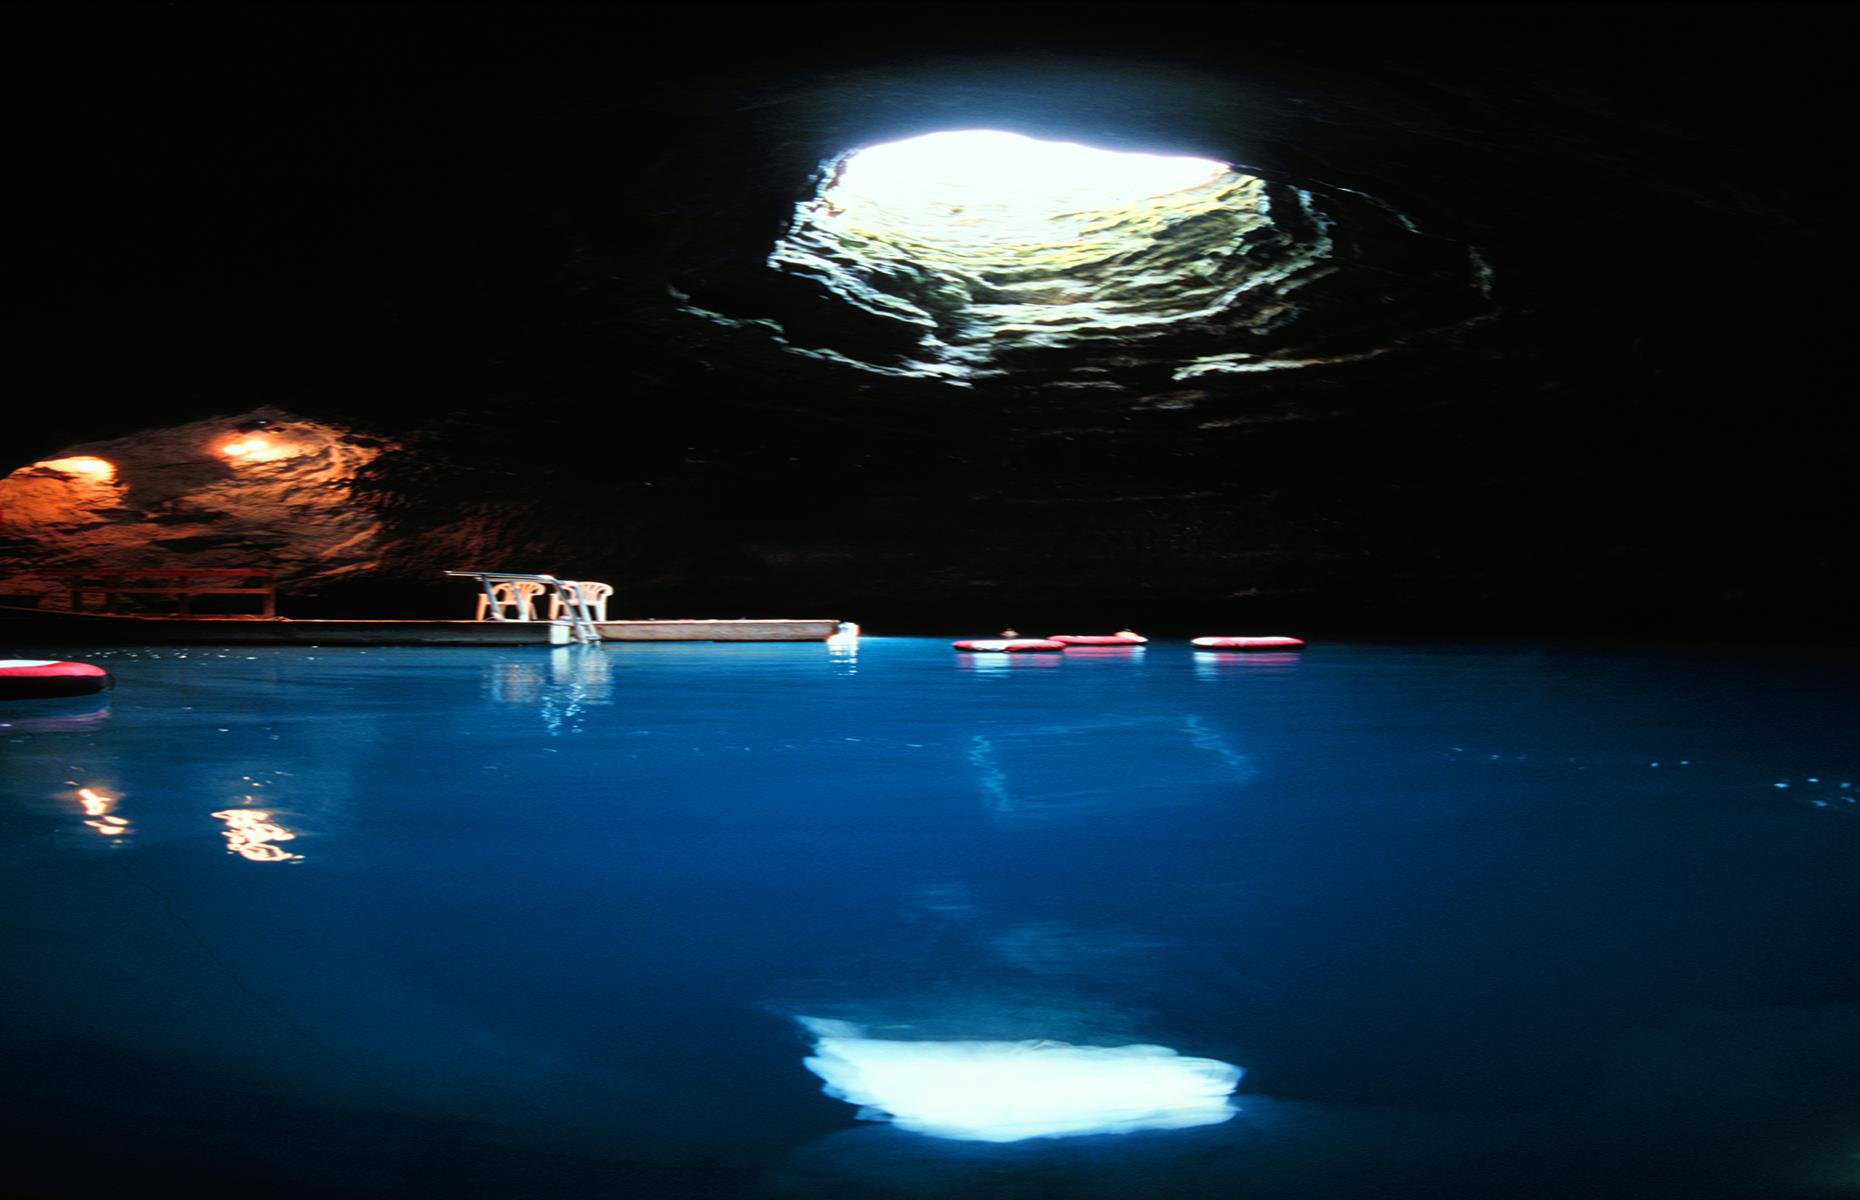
(261, 449)
(250, 833)
(84, 466)
(288, 502)
(257, 449)
(1009, 1091)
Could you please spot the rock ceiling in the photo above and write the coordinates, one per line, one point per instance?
(1478, 324)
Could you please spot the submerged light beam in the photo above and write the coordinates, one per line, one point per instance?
(1009, 1091)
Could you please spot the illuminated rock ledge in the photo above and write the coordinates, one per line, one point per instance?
(262, 488)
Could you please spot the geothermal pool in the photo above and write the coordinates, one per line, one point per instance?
(883, 920)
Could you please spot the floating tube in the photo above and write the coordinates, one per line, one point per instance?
(1098, 639)
(39, 678)
(1248, 643)
(1010, 646)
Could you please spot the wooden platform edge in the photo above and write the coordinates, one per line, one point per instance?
(27, 625)
(708, 630)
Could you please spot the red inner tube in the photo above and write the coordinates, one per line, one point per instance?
(33, 679)
(1098, 639)
(1248, 643)
(1009, 645)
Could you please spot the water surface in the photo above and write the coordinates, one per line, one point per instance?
(548, 922)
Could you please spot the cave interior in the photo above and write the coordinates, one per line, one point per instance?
(1519, 320)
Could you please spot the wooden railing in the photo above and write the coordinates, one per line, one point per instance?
(182, 584)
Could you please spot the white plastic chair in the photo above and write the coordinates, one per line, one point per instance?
(519, 597)
(593, 594)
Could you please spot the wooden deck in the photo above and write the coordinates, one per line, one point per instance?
(27, 625)
(717, 631)
(34, 625)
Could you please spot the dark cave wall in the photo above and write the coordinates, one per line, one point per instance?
(469, 233)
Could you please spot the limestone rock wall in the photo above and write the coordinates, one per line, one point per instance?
(1544, 330)
(262, 488)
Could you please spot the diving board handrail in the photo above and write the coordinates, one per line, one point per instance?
(569, 592)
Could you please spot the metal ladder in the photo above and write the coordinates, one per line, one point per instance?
(580, 620)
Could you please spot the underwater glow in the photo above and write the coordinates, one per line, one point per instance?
(1008, 1091)
(83, 465)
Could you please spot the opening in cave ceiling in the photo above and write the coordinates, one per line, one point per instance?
(1009, 257)
(996, 245)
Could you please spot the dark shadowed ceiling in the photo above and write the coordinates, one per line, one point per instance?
(1570, 357)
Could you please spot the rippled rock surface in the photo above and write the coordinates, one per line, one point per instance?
(1496, 318)
(263, 488)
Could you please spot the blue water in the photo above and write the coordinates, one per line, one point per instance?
(527, 922)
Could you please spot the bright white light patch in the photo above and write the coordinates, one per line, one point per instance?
(994, 244)
(1007, 1091)
(1014, 175)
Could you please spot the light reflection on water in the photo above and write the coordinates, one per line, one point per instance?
(560, 689)
(1219, 664)
(1112, 653)
(97, 808)
(77, 714)
(993, 662)
(253, 835)
(843, 650)
(1517, 920)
